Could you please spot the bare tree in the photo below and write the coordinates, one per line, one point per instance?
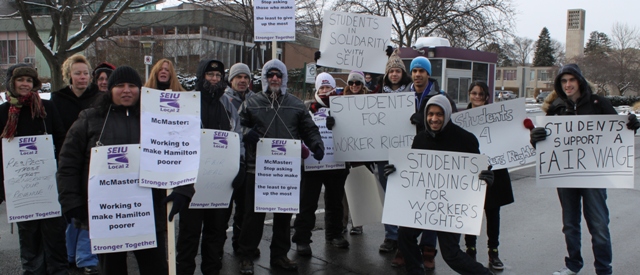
(466, 23)
(625, 57)
(558, 52)
(522, 48)
(95, 17)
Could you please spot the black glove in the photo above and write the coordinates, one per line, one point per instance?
(486, 176)
(389, 51)
(416, 118)
(316, 56)
(238, 181)
(78, 213)
(318, 153)
(179, 202)
(252, 137)
(633, 123)
(537, 134)
(331, 121)
(389, 169)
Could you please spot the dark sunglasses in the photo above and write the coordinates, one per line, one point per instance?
(358, 83)
(271, 74)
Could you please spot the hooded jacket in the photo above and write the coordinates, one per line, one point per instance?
(587, 104)
(422, 98)
(235, 98)
(285, 117)
(107, 124)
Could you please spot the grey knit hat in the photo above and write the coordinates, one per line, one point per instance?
(239, 68)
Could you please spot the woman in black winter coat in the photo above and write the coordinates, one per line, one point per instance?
(42, 245)
(499, 194)
(115, 120)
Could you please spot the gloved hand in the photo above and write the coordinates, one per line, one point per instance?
(537, 134)
(487, 176)
(331, 121)
(78, 213)
(179, 202)
(318, 153)
(239, 179)
(316, 56)
(305, 151)
(416, 118)
(633, 123)
(389, 51)
(389, 169)
(252, 137)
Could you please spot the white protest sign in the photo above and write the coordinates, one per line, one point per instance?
(500, 131)
(367, 126)
(278, 164)
(121, 214)
(594, 151)
(435, 190)
(30, 178)
(274, 20)
(353, 41)
(219, 164)
(169, 137)
(365, 196)
(327, 163)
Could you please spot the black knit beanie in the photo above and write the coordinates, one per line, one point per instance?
(124, 74)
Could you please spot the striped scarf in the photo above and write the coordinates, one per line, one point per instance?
(37, 110)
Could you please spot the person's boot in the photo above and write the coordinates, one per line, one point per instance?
(471, 251)
(494, 260)
(398, 260)
(246, 266)
(429, 257)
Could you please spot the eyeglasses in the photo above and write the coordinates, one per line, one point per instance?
(477, 94)
(271, 74)
(357, 83)
(214, 74)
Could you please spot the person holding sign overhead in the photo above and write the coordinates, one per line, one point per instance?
(577, 98)
(311, 186)
(114, 120)
(499, 194)
(163, 77)
(42, 242)
(272, 113)
(441, 135)
(217, 112)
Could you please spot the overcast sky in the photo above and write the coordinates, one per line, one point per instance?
(533, 15)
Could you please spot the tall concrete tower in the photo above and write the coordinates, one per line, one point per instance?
(575, 33)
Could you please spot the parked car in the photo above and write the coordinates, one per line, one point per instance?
(540, 98)
(504, 95)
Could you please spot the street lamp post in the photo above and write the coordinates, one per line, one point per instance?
(147, 44)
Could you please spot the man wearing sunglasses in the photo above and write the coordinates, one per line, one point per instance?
(272, 113)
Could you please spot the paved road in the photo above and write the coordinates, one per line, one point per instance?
(531, 239)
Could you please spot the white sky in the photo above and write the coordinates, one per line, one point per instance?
(532, 15)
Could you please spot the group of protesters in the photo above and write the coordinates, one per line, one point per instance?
(101, 107)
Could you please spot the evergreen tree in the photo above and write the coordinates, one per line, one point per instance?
(598, 43)
(544, 51)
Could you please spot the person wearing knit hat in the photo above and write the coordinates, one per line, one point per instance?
(101, 75)
(272, 113)
(239, 84)
(395, 77)
(356, 84)
(424, 88)
(42, 241)
(325, 87)
(114, 120)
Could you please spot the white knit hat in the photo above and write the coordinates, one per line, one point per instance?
(325, 79)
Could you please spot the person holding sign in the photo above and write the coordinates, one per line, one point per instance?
(311, 186)
(424, 88)
(441, 135)
(163, 77)
(42, 245)
(114, 120)
(499, 194)
(578, 99)
(217, 112)
(272, 113)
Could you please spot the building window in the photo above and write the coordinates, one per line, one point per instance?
(510, 74)
(457, 64)
(8, 52)
(480, 71)
(532, 75)
(498, 74)
(545, 75)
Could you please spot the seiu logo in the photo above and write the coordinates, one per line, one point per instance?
(28, 146)
(322, 112)
(220, 140)
(278, 147)
(117, 158)
(169, 102)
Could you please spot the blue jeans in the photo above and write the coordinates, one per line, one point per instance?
(596, 214)
(79, 247)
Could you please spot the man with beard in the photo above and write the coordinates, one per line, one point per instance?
(272, 113)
